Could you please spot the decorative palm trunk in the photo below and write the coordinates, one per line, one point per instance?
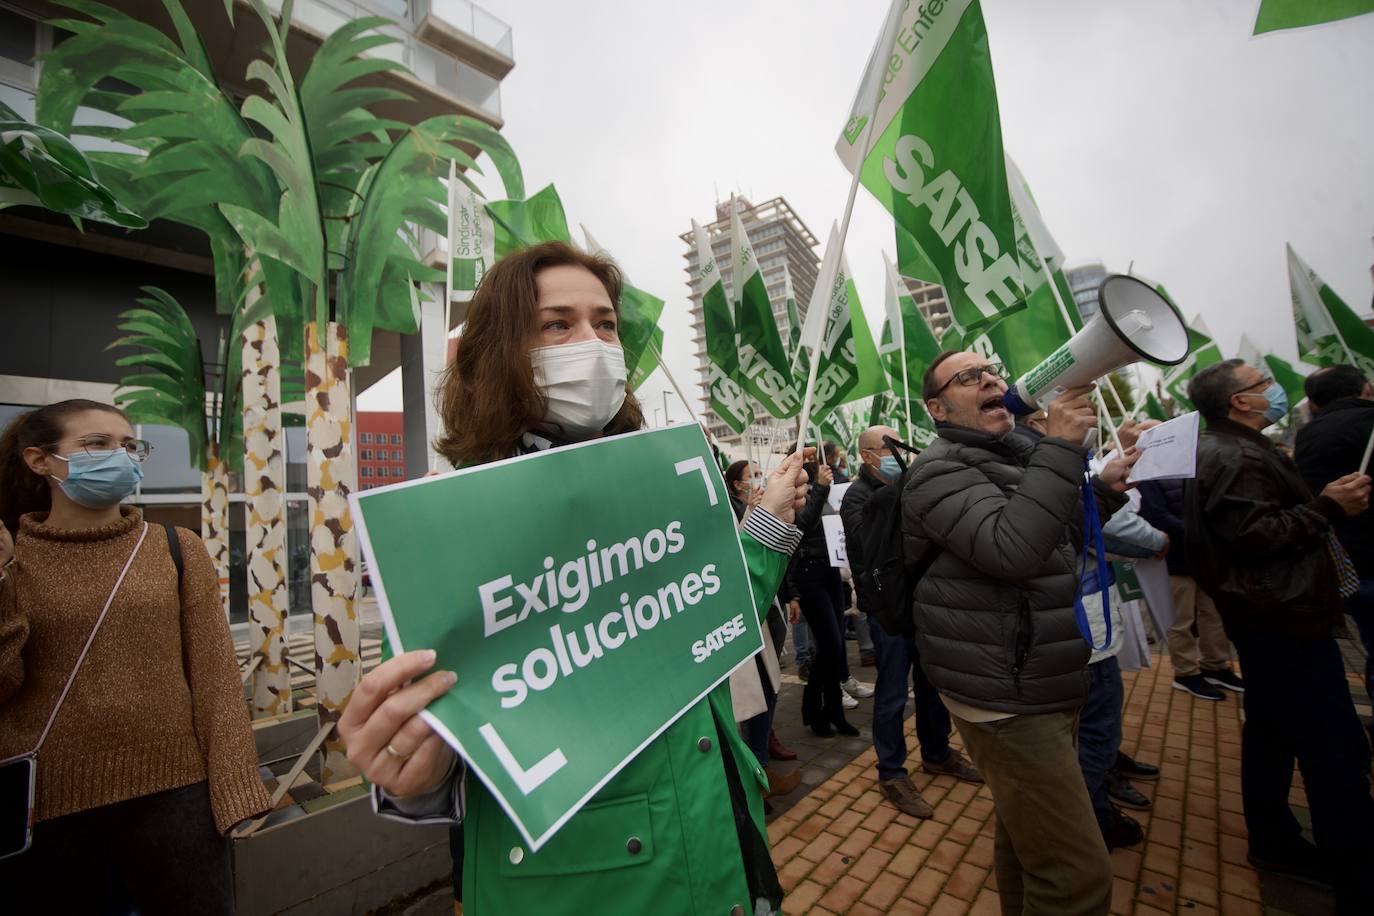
(330, 471)
(214, 517)
(264, 483)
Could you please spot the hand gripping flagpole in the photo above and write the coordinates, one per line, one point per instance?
(826, 280)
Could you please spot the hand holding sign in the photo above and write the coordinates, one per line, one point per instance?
(381, 726)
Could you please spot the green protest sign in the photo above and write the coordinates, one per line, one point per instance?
(601, 594)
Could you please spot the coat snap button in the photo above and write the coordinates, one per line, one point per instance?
(703, 744)
(633, 846)
(517, 855)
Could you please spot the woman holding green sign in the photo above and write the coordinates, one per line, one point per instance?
(680, 829)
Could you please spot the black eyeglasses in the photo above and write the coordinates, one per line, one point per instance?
(1266, 382)
(971, 376)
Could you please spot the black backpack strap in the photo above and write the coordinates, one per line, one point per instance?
(174, 545)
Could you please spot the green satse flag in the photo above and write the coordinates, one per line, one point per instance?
(793, 322)
(1026, 338)
(1202, 352)
(904, 318)
(763, 367)
(1293, 14)
(911, 262)
(647, 363)
(1329, 333)
(849, 368)
(727, 397)
(639, 314)
(935, 160)
(520, 223)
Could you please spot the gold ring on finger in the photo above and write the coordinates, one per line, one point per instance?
(397, 754)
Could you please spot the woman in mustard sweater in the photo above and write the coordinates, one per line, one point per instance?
(148, 760)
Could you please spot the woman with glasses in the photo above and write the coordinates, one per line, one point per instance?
(118, 677)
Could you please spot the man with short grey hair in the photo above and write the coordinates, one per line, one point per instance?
(1262, 546)
(998, 524)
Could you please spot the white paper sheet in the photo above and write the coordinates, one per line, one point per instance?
(1169, 450)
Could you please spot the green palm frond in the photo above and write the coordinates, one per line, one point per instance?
(382, 258)
(40, 167)
(171, 389)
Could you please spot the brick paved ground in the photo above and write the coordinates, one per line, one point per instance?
(840, 849)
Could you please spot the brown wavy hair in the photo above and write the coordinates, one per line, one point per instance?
(21, 490)
(487, 397)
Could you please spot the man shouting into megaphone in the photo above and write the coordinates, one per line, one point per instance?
(1001, 529)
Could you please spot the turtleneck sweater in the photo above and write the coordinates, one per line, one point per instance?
(157, 704)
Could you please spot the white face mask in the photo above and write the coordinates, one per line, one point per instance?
(584, 384)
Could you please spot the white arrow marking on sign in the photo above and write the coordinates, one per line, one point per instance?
(526, 780)
(698, 464)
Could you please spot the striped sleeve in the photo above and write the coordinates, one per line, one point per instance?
(772, 532)
(445, 804)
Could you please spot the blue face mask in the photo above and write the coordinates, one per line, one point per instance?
(1278, 403)
(890, 468)
(98, 480)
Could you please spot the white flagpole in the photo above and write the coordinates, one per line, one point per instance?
(826, 280)
(906, 380)
(662, 364)
(448, 244)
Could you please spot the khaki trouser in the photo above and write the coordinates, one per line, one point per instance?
(1049, 853)
(1191, 604)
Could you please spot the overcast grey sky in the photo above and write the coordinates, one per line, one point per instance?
(1159, 132)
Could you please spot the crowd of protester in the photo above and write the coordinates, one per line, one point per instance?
(1003, 630)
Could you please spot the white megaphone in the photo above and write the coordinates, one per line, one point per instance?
(1134, 322)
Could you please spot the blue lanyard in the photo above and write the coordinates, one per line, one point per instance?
(1092, 527)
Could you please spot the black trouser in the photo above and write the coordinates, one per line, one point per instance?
(822, 602)
(151, 855)
(1298, 707)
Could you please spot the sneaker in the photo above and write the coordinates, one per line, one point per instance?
(1226, 679)
(1198, 687)
(1123, 830)
(1131, 768)
(1123, 793)
(804, 671)
(1302, 862)
(855, 689)
(847, 701)
(957, 765)
(905, 798)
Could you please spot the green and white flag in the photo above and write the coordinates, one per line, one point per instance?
(935, 153)
(1294, 14)
(1329, 333)
(728, 399)
(1202, 352)
(793, 322)
(1024, 339)
(648, 362)
(763, 367)
(905, 323)
(1154, 410)
(1279, 369)
(639, 314)
(521, 223)
(471, 239)
(582, 631)
(849, 367)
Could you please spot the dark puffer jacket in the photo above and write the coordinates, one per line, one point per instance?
(994, 612)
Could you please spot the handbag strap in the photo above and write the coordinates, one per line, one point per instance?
(90, 639)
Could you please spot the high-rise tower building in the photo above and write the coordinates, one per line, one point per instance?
(930, 298)
(783, 245)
